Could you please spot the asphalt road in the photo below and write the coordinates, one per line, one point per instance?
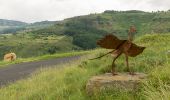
(12, 73)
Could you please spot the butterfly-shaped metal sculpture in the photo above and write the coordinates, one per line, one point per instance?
(120, 47)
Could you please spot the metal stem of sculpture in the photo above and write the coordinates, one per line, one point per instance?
(120, 47)
(131, 31)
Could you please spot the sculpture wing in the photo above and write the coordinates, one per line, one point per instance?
(134, 50)
(110, 42)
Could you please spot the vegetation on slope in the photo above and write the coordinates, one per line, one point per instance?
(29, 45)
(93, 26)
(68, 83)
(80, 32)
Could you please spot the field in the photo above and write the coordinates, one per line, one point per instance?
(68, 83)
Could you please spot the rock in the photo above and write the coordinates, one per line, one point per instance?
(122, 81)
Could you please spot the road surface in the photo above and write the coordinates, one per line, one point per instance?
(12, 73)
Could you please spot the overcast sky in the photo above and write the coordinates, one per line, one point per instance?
(38, 10)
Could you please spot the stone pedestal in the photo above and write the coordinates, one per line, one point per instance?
(122, 81)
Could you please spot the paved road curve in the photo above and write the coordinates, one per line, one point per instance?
(11, 73)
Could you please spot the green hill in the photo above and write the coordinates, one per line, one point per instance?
(80, 32)
(26, 44)
(85, 30)
(29, 45)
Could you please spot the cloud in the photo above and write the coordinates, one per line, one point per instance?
(160, 4)
(38, 10)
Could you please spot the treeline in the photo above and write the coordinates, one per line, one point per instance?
(84, 35)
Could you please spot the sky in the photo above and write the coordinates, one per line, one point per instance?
(53, 10)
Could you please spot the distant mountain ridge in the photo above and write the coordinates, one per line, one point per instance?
(114, 21)
(12, 26)
(5, 22)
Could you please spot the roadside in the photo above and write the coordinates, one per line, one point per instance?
(12, 73)
(44, 57)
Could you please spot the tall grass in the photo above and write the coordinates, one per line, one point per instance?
(69, 80)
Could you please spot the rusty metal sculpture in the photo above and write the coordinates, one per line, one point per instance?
(120, 47)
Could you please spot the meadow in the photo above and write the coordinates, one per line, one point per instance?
(69, 80)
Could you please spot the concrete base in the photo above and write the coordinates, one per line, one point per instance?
(122, 80)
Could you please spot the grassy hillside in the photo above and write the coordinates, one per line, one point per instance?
(80, 32)
(68, 83)
(29, 45)
(92, 27)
